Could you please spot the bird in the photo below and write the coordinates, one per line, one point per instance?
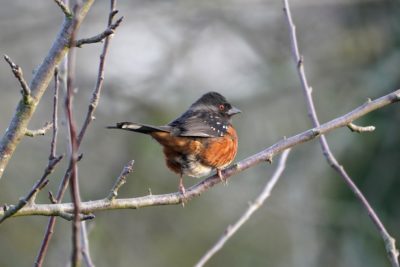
(199, 141)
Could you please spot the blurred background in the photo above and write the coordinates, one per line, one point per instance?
(162, 58)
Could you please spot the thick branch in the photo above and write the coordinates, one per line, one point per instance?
(196, 190)
(307, 91)
(40, 81)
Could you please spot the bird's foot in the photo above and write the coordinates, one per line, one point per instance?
(182, 190)
(221, 177)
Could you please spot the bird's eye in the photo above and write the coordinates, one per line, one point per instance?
(221, 107)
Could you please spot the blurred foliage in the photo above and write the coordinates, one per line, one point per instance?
(164, 56)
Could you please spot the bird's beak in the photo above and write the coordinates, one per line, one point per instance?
(233, 111)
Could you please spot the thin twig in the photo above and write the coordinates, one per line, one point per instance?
(121, 180)
(17, 71)
(360, 129)
(73, 146)
(94, 101)
(89, 117)
(204, 185)
(29, 199)
(42, 131)
(101, 36)
(388, 240)
(53, 145)
(61, 80)
(257, 203)
(85, 245)
(64, 8)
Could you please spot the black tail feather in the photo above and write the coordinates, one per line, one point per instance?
(137, 127)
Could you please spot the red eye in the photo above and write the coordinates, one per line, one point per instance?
(221, 107)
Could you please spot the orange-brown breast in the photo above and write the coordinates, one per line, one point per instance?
(219, 152)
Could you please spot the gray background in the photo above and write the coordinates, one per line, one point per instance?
(163, 57)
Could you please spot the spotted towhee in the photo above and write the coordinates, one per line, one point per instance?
(200, 140)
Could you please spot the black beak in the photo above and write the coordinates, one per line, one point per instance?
(233, 111)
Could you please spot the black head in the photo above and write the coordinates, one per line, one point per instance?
(215, 102)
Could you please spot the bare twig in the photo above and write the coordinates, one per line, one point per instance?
(85, 245)
(196, 190)
(59, 75)
(29, 199)
(388, 240)
(42, 131)
(89, 117)
(101, 36)
(94, 101)
(64, 8)
(53, 145)
(360, 129)
(121, 180)
(26, 91)
(73, 145)
(38, 85)
(257, 203)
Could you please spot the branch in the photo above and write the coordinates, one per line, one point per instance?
(29, 199)
(101, 36)
(89, 118)
(64, 8)
(26, 91)
(38, 85)
(196, 190)
(307, 91)
(42, 131)
(257, 203)
(121, 180)
(94, 101)
(73, 145)
(53, 144)
(360, 129)
(85, 245)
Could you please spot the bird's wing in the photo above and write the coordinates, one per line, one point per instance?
(193, 125)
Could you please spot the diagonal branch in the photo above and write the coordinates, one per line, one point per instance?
(196, 190)
(38, 85)
(257, 203)
(121, 180)
(307, 91)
